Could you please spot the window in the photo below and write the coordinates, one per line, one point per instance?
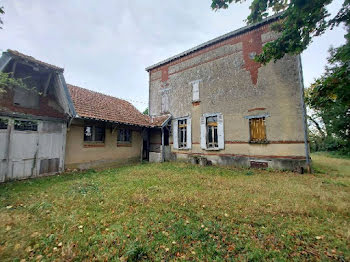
(195, 91)
(94, 133)
(3, 123)
(257, 130)
(124, 135)
(23, 125)
(182, 133)
(212, 132)
(165, 102)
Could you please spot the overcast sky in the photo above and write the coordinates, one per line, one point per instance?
(106, 45)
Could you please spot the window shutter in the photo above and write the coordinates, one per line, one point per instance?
(189, 133)
(203, 133)
(195, 91)
(221, 137)
(175, 135)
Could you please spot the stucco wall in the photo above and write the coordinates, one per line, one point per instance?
(233, 84)
(80, 154)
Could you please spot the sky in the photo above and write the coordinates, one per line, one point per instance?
(106, 45)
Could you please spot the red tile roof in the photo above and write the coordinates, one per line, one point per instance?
(94, 105)
(33, 60)
(159, 120)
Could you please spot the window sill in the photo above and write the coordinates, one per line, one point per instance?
(119, 144)
(183, 148)
(264, 142)
(213, 149)
(94, 144)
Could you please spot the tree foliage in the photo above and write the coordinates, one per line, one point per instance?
(329, 97)
(145, 112)
(8, 82)
(301, 20)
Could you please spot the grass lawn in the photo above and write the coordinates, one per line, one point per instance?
(176, 211)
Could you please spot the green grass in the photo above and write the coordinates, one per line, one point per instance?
(176, 211)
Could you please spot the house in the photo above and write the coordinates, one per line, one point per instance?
(228, 109)
(52, 126)
(212, 104)
(108, 131)
(33, 121)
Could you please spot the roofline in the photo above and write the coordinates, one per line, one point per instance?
(20, 56)
(217, 39)
(109, 121)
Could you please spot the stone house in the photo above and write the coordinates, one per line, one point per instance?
(228, 109)
(53, 126)
(212, 104)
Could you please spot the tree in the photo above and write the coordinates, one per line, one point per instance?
(329, 97)
(301, 20)
(146, 111)
(8, 82)
(1, 13)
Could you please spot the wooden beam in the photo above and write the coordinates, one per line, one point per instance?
(13, 70)
(47, 83)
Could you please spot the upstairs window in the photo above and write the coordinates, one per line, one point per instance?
(212, 132)
(24, 125)
(195, 91)
(257, 130)
(94, 133)
(3, 123)
(182, 133)
(124, 136)
(165, 102)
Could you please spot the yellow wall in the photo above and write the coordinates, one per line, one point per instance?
(80, 156)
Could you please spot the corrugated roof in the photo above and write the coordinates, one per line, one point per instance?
(216, 40)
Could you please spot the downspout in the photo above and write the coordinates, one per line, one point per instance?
(302, 101)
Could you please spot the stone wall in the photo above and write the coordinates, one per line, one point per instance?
(232, 83)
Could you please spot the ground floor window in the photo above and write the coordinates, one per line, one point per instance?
(124, 135)
(257, 130)
(182, 133)
(94, 133)
(25, 125)
(212, 132)
(182, 138)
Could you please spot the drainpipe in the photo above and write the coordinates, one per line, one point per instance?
(162, 128)
(306, 144)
